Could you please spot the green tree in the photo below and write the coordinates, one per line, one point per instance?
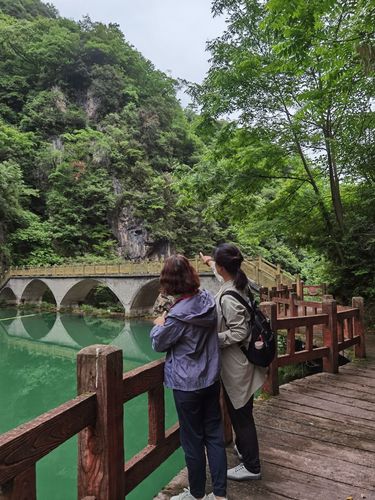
(292, 73)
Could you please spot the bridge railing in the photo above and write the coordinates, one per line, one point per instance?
(97, 413)
(260, 270)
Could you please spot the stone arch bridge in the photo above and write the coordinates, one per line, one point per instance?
(136, 285)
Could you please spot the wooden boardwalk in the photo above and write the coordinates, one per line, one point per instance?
(317, 438)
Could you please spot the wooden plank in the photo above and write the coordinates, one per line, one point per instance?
(302, 356)
(359, 379)
(291, 483)
(358, 435)
(345, 344)
(22, 447)
(358, 371)
(285, 437)
(302, 460)
(142, 379)
(147, 460)
(23, 486)
(308, 303)
(348, 391)
(280, 300)
(315, 427)
(342, 380)
(341, 409)
(351, 312)
(295, 322)
(345, 420)
(328, 396)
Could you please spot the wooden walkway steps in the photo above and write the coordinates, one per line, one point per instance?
(317, 439)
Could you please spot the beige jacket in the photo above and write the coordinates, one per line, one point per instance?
(240, 377)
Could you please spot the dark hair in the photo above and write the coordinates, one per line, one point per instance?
(229, 257)
(178, 276)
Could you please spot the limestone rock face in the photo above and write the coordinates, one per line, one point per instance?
(91, 105)
(132, 237)
(134, 240)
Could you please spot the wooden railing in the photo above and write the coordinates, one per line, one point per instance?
(259, 270)
(97, 413)
(303, 291)
(333, 329)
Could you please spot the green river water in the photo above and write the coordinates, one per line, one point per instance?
(38, 373)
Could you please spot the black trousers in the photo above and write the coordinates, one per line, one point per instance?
(246, 434)
(201, 428)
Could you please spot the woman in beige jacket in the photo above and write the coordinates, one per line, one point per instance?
(240, 377)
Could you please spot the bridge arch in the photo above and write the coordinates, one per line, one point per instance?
(145, 297)
(8, 296)
(77, 294)
(34, 291)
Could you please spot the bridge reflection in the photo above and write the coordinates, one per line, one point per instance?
(75, 332)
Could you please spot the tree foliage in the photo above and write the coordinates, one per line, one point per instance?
(89, 130)
(293, 74)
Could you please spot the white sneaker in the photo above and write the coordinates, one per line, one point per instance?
(238, 453)
(240, 473)
(185, 495)
(211, 496)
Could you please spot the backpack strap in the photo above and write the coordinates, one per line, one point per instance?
(241, 300)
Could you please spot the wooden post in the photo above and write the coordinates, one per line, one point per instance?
(299, 287)
(359, 350)
(293, 306)
(22, 487)
(258, 270)
(278, 275)
(156, 415)
(101, 447)
(330, 363)
(271, 385)
(227, 425)
(264, 294)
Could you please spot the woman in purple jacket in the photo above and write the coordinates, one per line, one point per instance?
(192, 367)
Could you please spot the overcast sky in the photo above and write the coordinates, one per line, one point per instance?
(171, 33)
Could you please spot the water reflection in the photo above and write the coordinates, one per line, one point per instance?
(38, 372)
(75, 332)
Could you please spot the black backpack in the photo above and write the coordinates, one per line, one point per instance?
(260, 331)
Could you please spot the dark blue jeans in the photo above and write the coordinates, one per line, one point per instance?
(201, 428)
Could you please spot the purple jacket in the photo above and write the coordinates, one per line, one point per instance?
(190, 339)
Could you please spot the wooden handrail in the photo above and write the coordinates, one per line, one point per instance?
(22, 447)
(301, 321)
(142, 379)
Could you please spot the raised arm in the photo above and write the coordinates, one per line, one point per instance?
(209, 261)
